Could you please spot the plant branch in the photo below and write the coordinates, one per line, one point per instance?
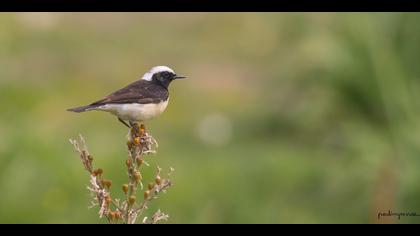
(139, 144)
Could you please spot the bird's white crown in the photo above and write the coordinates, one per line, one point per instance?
(148, 76)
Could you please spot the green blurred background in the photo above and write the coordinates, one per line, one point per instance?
(286, 118)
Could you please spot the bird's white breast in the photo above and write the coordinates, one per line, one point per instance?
(135, 111)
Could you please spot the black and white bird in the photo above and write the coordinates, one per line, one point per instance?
(139, 101)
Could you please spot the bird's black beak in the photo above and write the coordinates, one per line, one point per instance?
(180, 77)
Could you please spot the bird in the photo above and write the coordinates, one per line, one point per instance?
(142, 100)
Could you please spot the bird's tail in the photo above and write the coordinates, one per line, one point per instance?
(82, 109)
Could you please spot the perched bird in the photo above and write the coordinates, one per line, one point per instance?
(139, 101)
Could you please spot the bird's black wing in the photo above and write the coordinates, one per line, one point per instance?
(140, 91)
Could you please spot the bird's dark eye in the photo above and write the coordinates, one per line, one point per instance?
(166, 75)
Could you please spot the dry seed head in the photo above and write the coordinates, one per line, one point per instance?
(106, 183)
(98, 171)
(151, 185)
(111, 215)
(132, 199)
(108, 200)
(158, 180)
(125, 188)
(117, 215)
(139, 161)
(137, 176)
(129, 144)
(146, 194)
(128, 162)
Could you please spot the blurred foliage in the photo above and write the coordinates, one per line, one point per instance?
(286, 118)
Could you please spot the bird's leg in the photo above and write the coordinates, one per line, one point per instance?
(134, 127)
(123, 122)
(132, 123)
(135, 130)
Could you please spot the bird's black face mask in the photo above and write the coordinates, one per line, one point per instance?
(165, 78)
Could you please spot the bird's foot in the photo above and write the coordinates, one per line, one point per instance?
(139, 138)
(136, 129)
(122, 121)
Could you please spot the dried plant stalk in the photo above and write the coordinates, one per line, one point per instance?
(139, 144)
